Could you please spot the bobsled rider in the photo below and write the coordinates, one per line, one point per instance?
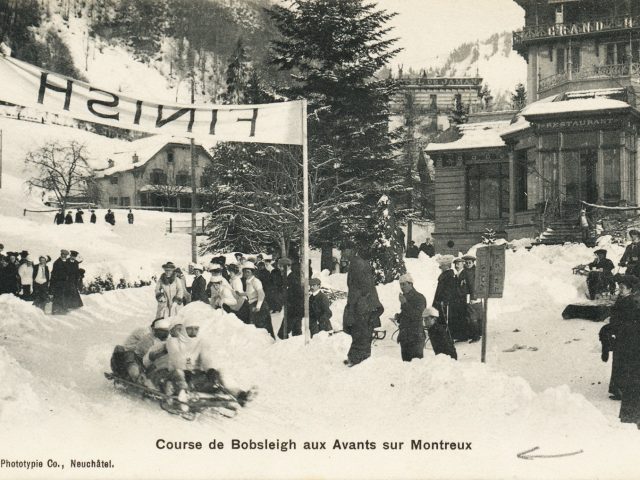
(127, 359)
(188, 371)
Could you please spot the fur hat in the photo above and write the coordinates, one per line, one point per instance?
(406, 278)
(64, 252)
(215, 266)
(445, 259)
(315, 281)
(169, 265)
(601, 251)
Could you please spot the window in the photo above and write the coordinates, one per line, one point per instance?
(113, 200)
(434, 101)
(611, 54)
(521, 171)
(622, 53)
(560, 60)
(575, 58)
(158, 177)
(611, 160)
(125, 201)
(113, 180)
(487, 191)
(183, 178)
(170, 156)
(635, 52)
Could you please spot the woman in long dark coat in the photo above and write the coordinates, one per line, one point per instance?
(622, 313)
(627, 351)
(363, 309)
(74, 277)
(41, 277)
(58, 282)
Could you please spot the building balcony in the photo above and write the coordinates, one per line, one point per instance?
(540, 33)
(595, 72)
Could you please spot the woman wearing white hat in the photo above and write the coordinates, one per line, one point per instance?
(25, 272)
(258, 309)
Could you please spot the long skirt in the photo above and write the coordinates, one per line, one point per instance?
(40, 295)
(630, 405)
(261, 318)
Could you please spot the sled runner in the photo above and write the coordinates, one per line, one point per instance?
(220, 403)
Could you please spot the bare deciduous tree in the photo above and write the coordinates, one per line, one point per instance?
(62, 169)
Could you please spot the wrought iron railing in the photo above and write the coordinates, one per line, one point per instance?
(607, 24)
(593, 72)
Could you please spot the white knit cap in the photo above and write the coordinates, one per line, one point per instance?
(162, 323)
(430, 312)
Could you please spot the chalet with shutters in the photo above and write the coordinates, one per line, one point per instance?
(152, 172)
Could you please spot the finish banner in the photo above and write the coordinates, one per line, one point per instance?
(29, 86)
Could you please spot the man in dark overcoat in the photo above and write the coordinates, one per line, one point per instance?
(631, 256)
(319, 308)
(600, 277)
(473, 307)
(448, 299)
(411, 334)
(57, 283)
(363, 309)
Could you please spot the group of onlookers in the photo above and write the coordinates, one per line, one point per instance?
(252, 288)
(37, 283)
(68, 219)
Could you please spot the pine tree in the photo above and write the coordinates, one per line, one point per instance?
(460, 112)
(487, 97)
(386, 251)
(519, 97)
(332, 50)
(238, 75)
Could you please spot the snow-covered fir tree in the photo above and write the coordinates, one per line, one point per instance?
(386, 252)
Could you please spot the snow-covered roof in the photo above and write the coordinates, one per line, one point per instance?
(519, 125)
(145, 149)
(474, 135)
(578, 101)
(574, 106)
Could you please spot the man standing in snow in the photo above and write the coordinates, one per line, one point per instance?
(58, 283)
(411, 334)
(631, 256)
(93, 218)
(448, 299)
(363, 309)
(130, 217)
(319, 309)
(428, 248)
(59, 218)
(68, 219)
(199, 285)
(79, 215)
(474, 313)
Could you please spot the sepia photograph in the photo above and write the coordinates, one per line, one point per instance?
(323, 239)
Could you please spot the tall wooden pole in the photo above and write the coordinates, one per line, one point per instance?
(305, 225)
(194, 196)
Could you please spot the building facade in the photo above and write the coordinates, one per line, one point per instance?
(432, 101)
(152, 172)
(574, 144)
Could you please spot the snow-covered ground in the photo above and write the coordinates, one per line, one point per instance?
(56, 404)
